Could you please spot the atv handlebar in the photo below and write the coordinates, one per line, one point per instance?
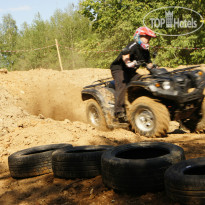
(142, 62)
(137, 63)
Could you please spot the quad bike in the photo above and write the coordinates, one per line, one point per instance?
(151, 102)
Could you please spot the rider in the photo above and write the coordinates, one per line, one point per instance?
(123, 68)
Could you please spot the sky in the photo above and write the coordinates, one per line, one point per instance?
(25, 10)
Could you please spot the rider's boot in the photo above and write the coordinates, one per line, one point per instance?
(121, 117)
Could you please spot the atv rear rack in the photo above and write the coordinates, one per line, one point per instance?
(102, 82)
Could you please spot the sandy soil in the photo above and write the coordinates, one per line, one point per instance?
(40, 107)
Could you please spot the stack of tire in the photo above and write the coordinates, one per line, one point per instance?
(63, 160)
(78, 162)
(185, 181)
(137, 167)
(33, 161)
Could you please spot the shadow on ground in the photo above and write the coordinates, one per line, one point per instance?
(49, 190)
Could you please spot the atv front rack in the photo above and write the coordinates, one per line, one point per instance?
(184, 69)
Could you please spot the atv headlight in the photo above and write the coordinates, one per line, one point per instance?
(166, 85)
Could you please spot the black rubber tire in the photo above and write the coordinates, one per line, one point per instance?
(139, 167)
(99, 122)
(33, 161)
(185, 181)
(78, 162)
(159, 117)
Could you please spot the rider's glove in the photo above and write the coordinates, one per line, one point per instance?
(149, 66)
(130, 64)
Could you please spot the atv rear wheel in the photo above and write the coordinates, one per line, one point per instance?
(95, 115)
(149, 117)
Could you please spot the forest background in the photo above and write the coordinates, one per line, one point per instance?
(93, 33)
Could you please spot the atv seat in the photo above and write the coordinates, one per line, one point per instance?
(158, 71)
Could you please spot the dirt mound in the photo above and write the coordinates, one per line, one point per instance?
(43, 107)
(40, 107)
(9, 112)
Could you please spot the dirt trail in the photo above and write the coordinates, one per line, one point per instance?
(40, 107)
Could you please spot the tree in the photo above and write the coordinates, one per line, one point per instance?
(70, 28)
(115, 22)
(9, 35)
(95, 26)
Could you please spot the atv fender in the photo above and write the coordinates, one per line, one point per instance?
(92, 94)
(96, 95)
(135, 90)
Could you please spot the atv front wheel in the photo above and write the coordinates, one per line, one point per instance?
(149, 117)
(95, 115)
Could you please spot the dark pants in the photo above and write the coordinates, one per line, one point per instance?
(122, 78)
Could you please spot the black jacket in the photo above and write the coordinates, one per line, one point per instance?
(136, 53)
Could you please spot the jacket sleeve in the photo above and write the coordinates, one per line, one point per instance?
(125, 51)
(148, 60)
